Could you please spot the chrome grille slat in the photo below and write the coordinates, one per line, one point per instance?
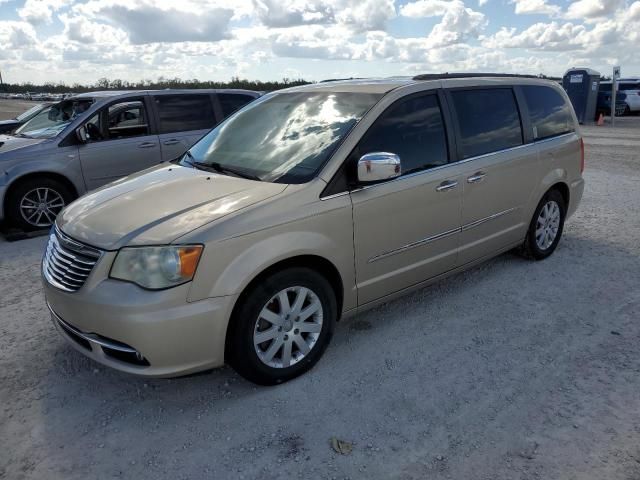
(67, 264)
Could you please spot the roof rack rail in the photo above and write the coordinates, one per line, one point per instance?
(442, 76)
(340, 79)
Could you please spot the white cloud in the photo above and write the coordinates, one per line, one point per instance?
(457, 25)
(593, 8)
(541, 7)
(425, 8)
(37, 12)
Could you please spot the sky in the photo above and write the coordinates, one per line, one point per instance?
(83, 40)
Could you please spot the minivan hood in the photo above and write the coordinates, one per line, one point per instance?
(158, 205)
(9, 142)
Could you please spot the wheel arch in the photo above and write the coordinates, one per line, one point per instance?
(314, 262)
(16, 182)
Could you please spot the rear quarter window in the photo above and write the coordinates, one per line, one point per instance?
(489, 120)
(179, 113)
(231, 102)
(550, 114)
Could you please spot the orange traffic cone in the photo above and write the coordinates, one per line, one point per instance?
(600, 120)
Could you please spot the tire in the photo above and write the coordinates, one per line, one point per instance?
(266, 363)
(627, 111)
(539, 247)
(26, 193)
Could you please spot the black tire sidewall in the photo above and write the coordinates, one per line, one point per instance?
(532, 245)
(242, 355)
(14, 216)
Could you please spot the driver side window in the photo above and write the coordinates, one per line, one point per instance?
(121, 120)
(412, 128)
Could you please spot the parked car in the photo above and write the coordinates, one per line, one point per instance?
(309, 205)
(8, 126)
(603, 105)
(86, 141)
(631, 88)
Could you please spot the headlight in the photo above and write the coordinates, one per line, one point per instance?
(157, 267)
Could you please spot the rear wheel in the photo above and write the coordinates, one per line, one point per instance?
(546, 226)
(35, 203)
(282, 326)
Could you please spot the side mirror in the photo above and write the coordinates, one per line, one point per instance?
(81, 134)
(378, 166)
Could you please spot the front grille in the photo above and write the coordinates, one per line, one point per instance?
(67, 263)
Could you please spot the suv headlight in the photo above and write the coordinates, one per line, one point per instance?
(156, 268)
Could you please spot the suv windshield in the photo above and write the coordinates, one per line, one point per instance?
(284, 137)
(52, 120)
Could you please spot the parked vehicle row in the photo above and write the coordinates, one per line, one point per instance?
(308, 205)
(91, 139)
(629, 89)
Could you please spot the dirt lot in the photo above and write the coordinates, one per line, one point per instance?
(13, 108)
(513, 370)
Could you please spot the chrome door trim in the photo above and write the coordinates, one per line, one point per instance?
(418, 243)
(439, 236)
(475, 223)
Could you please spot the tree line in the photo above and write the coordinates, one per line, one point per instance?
(160, 84)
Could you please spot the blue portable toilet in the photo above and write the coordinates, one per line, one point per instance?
(581, 84)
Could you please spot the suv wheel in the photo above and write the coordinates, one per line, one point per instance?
(282, 326)
(35, 203)
(546, 226)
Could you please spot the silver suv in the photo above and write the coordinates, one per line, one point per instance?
(307, 206)
(88, 140)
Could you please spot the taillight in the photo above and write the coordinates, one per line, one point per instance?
(581, 155)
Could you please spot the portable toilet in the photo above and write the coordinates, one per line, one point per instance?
(581, 84)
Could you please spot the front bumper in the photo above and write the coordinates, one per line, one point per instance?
(147, 333)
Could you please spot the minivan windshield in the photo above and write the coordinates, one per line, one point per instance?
(52, 120)
(283, 137)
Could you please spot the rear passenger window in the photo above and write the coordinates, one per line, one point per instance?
(550, 114)
(489, 120)
(179, 113)
(231, 102)
(414, 130)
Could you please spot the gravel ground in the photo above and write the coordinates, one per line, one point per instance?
(513, 370)
(13, 108)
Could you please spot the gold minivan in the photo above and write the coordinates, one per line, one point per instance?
(306, 206)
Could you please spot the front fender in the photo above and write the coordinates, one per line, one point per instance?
(65, 164)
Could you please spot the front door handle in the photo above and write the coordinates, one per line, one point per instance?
(446, 185)
(172, 141)
(476, 177)
(147, 145)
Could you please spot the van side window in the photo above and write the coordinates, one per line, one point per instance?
(180, 113)
(414, 130)
(488, 119)
(231, 102)
(550, 114)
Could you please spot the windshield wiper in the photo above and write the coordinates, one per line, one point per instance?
(216, 167)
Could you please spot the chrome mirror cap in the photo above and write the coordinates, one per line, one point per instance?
(378, 166)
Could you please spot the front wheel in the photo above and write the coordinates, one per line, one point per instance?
(35, 203)
(282, 326)
(546, 227)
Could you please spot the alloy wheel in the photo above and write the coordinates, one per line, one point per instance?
(40, 206)
(547, 225)
(288, 327)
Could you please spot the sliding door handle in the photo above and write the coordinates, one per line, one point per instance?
(446, 186)
(147, 145)
(476, 177)
(172, 141)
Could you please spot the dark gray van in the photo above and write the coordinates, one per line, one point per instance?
(89, 140)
